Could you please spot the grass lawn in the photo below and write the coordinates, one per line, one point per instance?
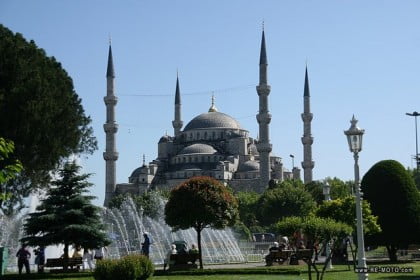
(340, 272)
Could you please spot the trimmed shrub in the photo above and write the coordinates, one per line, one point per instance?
(132, 267)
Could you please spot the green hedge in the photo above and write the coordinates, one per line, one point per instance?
(132, 267)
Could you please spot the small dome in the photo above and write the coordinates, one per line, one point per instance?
(137, 171)
(164, 139)
(198, 149)
(249, 165)
(212, 120)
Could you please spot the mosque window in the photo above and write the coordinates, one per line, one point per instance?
(191, 136)
(184, 160)
(213, 134)
(208, 158)
(198, 135)
(205, 135)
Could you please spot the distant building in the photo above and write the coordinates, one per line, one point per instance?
(211, 144)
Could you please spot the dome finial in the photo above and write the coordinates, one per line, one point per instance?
(144, 160)
(213, 107)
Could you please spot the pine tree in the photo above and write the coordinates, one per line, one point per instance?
(66, 216)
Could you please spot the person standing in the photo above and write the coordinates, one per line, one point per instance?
(87, 259)
(23, 256)
(145, 246)
(99, 253)
(40, 258)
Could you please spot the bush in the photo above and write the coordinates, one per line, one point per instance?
(132, 267)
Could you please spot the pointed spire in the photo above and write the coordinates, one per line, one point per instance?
(306, 90)
(263, 54)
(110, 70)
(177, 93)
(212, 107)
(144, 160)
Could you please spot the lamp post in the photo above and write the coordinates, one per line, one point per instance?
(354, 138)
(293, 161)
(416, 157)
(326, 192)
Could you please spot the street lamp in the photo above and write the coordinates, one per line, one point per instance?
(326, 192)
(416, 157)
(293, 161)
(354, 138)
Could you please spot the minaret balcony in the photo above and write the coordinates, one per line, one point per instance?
(307, 140)
(264, 118)
(308, 164)
(111, 127)
(307, 117)
(263, 89)
(110, 100)
(112, 156)
(264, 147)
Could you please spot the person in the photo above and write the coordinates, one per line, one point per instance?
(87, 259)
(99, 253)
(23, 256)
(183, 249)
(77, 253)
(145, 245)
(301, 245)
(167, 260)
(274, 248)
(40, 258)
(194, 249)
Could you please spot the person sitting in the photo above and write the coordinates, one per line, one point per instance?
(77, 252)
(167, 260)
(193, 250)
(274, 248)
(183, 249)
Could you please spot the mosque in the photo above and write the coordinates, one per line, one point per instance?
(211, 144)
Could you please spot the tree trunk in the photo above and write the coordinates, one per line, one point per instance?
(66, 257)
(200, 255)
(392, 252)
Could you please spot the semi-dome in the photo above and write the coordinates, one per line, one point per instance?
(248, 166)
(164, 139)
(212, 120)
(198, 149)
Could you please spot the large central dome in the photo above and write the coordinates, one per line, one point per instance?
(212, 120)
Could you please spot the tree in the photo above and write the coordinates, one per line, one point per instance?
(395, 200)
(247, 206)
(40, 111)
(344, 211)
(201, 202)
(315, 229)
(9, 168)
(66, 216)
(289, 198)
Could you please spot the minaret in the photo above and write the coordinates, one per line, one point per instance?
(110, 128)
(264, 118)
(177, 122)
(307, 139)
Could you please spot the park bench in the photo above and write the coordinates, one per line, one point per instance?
(277, 257)
(59, 262)
(182, 261)
(301, 254)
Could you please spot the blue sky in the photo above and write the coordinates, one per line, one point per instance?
(362, 58)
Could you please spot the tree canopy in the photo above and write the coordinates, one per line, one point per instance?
(198, 203)
(394, 198)
(338, 189)
(66, 216)
(288, 198)
(344, 211)
(40, 110)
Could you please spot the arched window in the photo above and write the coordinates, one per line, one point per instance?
(205, 135)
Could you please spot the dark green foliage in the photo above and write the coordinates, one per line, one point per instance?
(66, 216)
(344, 210)
(289, 198)
(9, 168)
(416, 176)
(150, 202)
(395, 200)
(198, 203)
(40, 111)
(117, 201)
(131, 267)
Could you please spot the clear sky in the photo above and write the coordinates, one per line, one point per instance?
(362, 57)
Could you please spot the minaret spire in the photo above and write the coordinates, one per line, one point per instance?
(177, 122)
(264, 117)
(307, 139)
(110, 128)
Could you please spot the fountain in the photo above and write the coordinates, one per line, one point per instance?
(127, 225)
